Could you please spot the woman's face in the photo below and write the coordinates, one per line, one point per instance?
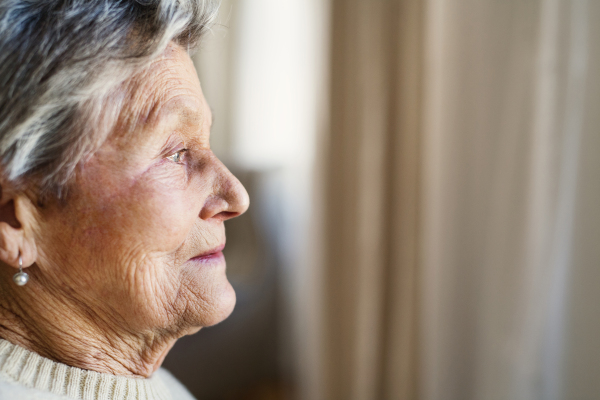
(137, 243)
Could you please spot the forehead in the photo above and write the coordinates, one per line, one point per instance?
(165, 92)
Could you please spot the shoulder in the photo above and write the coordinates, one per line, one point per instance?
(177, 390)
(13, 390)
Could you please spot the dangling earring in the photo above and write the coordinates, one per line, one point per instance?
(21, 278)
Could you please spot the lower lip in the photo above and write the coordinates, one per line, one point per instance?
(213, 258)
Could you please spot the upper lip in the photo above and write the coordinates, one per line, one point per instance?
(213, 251)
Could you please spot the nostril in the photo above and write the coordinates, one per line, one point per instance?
(225, 215)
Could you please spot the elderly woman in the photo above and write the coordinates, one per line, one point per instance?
(112, 204)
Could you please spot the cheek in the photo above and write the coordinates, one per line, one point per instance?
(157, 218)
(138, 235)
(116, 237)
(162, 218)
(131, 240)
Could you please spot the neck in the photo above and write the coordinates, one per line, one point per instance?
(63, 332)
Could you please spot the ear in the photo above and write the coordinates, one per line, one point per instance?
(17, 223)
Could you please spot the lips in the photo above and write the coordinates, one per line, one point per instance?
(214, 254)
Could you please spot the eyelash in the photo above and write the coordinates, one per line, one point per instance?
(177, 156)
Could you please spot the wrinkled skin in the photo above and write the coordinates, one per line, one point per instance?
(113, 283)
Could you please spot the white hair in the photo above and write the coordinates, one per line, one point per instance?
(60, 63)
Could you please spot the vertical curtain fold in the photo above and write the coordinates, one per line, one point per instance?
(461, 200)
(372, 199)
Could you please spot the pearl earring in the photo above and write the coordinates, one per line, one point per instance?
(21, 278)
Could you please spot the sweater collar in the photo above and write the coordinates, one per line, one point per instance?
(34, 371)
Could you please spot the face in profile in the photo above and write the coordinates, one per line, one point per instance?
(137, 242)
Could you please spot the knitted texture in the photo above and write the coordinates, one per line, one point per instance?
(22, 368)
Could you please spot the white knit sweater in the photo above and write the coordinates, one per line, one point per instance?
(24, 375)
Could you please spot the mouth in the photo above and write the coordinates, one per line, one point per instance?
(211, 255)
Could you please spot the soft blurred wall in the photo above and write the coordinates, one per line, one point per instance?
(461, 246)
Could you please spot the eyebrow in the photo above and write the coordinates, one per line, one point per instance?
(185, 113)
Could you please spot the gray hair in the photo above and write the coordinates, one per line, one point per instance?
(60, 63)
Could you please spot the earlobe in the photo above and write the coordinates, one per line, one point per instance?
(16, 233)
(9, 244)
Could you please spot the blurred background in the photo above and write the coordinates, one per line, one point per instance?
(425, 186)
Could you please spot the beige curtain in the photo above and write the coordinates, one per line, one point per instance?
(373, 200)
(461, 219)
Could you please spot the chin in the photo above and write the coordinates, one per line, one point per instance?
(212, 309)
(207, 296)
(224, 305)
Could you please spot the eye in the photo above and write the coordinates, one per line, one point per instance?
(177, 157)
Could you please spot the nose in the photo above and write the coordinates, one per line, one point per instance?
(229, 199)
